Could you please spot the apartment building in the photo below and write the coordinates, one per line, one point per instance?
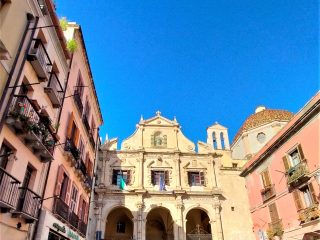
(49, 124)
(283, 179)
(34, 69)
(65, 210)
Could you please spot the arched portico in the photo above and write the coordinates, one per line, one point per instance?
(159, 224)
(119, 224)
(198, 225)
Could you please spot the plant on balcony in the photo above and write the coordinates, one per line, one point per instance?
(63, 23)
(72, 45)
(275, 231)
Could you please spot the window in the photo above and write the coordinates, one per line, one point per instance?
(64, 186)
(87, 110)
(222, 141)
(55, 236)
(158, 176)
(74, 195)
(215, 145)
(293, 158)
(266, 181)
(196, 178)
(261, 137)
(304, 197)
(5, 152)
(234, 165)
(79, 87)
(121, 227)
(118, 174)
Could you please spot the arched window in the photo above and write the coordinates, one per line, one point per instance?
(214, 139)
(222, 141)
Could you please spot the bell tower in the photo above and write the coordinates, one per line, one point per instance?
(217, 137)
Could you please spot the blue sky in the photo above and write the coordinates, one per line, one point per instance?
(201, 61)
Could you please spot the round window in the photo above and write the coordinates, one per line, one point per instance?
(261, 137)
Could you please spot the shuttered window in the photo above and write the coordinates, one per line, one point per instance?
(74, 196)
(297, 199)
(313, 194)
(274, 216)
(266, 178)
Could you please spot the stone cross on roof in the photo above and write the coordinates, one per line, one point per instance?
(158, 113)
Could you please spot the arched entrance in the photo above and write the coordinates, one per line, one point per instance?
(159, 225)
(198, 225)
(119, 224)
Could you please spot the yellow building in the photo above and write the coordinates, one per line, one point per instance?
(158, 187)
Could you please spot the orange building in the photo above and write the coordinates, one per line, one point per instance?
(283, 179)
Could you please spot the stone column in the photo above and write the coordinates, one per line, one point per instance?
(140, 235)
(179, 224)
(218, 223)
(178, 172)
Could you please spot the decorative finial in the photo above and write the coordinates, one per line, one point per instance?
(141, 118)
(216, 122)
(174, 119)
(107, 138)
(158, 113)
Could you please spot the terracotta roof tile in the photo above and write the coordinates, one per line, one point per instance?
(261, 118)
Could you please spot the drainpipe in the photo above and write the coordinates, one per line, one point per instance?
(36, 226)
(30, 19)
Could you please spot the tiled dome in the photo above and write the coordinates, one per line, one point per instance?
(262, 117)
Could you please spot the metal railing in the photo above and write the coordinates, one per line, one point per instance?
(77, 99)
(73, 219)
(275, 228)
(61, 209)
(86, 123)
(297, 172)
(309, 213)
(39, 52)
(55, 84)
(82, 167)
(82, 227)
(268, 192)
(9, 189)
(29, 119)
(71, 147)
(29, 202)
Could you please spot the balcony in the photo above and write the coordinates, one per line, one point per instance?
(73, 150)
(91, 139)
(268, 192)
(275, 229)
(298, 174)
(309, 214)
(33, 129)
(62, 210)
(39, 59)
(86, 123)
(77, 99)
(54, 90)
(81, 169)
(82, 228)
(9, 190)
(28, 205)
(87, 183)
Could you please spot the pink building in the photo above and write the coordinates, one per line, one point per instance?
(282, 180)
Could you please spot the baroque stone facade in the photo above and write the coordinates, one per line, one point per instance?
(172, 191)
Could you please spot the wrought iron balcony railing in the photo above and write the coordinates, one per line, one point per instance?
(28, 204)
(54, 90)
(298, 173)
(310, 213)
(9, 190)
(40, 59)
(82, 167)
(35, 129)
(82, 227)
(275, 229)
(70, 147)
(268, 192)
(61, 209)
(77, 99)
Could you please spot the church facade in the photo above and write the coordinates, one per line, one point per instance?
(157, 186)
